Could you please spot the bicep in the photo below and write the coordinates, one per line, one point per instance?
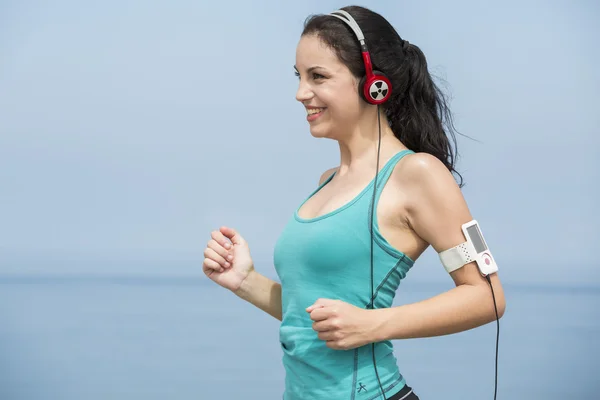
(437, 211)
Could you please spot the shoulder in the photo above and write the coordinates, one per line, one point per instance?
(327, 174)
(428, 179)
(424, 166)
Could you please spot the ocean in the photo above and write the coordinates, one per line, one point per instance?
(138, 336)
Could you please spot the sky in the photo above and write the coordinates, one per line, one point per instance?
(129, 130)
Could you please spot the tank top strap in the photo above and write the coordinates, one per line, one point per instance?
(386, 172)
(319, 187)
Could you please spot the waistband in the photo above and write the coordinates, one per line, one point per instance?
(406, 393)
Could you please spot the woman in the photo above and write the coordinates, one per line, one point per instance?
(337, 322)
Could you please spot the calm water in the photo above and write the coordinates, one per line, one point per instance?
(135, 337)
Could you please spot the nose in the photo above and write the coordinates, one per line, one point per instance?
(303, 93)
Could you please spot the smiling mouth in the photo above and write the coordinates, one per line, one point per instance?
(312, 111)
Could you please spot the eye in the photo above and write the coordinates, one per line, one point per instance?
(315, 75)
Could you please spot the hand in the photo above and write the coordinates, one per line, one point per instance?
(342, 325)
(227, 259)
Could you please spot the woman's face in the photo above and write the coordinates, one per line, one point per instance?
(327, 89)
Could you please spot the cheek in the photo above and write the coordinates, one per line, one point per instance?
(347, 107)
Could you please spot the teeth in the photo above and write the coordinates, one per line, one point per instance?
(312, 111)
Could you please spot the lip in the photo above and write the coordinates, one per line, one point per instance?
(312, 117)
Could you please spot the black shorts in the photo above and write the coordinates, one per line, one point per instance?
(405, 394)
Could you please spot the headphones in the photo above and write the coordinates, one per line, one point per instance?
(375, 88)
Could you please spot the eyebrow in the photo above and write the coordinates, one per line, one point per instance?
(309, 70)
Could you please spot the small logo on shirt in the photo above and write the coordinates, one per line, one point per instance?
(361, 387)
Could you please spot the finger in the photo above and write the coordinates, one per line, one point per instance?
(213, 255)
(337, 345)
(221, 239)
(212, 265)
(220, 250)
(329, 335)
(319, 314)
(310, 308)
(232, 234)
(325, 336)
(324, 325)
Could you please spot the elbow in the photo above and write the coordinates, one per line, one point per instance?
(499, 306)
(495, 304)
(498, 298)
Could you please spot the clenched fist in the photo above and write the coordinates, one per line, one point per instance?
(227, 259)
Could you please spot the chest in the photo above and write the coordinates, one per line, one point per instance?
(337, 196)
(308, 248)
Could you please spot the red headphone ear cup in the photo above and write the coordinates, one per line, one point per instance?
(377, 89)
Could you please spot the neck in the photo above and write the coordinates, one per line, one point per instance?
(358, 151)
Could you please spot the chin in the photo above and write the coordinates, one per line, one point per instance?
(319, 132)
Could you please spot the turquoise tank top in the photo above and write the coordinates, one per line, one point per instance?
(330, 257)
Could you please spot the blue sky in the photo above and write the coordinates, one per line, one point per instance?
(129, 130)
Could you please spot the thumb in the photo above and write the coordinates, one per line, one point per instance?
(232, 234)
(320, 303)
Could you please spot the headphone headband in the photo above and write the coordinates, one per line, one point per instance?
(375, 87)
(352, 24)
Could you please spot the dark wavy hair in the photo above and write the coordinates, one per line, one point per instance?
(417, 110)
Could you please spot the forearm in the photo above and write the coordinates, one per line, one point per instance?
(262, 292)
(459, 309)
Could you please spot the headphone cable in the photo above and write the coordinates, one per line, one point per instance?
(497, 336)
(372, 303)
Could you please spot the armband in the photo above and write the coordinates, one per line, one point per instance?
(474, 249)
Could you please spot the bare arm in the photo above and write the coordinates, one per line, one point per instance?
(262, 292)
(436, 214)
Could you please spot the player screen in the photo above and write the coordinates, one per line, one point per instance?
(476, 238)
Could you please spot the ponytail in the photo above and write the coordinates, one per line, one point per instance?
(418, 112)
